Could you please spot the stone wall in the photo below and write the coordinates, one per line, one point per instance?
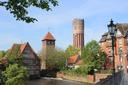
(88, 78)
(68, 77)
(96, 78)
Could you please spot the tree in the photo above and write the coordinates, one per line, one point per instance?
(15, 75)
(19, 8)
(55, 58)
(2, 54)
(70, 51)
(14, 55)
(93, 57)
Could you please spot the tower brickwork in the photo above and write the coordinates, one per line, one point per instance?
(78, 33)
(48, 44)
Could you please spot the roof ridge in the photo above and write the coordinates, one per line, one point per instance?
(48, 36)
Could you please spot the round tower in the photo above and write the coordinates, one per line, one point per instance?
(78, 33)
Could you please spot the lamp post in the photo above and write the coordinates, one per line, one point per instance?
(112, 31)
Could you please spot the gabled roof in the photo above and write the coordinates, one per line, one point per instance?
(123, 28)
(17, 50)
(48, 36)
(13, 51)
(73, 59)
(80, 62)
(104, 36)
(22, 47)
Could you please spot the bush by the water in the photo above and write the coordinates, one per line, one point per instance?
(82, 71)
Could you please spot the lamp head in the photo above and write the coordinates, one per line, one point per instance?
(112, 28)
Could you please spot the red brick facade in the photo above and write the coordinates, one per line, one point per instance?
(120, 47)
(78, 33)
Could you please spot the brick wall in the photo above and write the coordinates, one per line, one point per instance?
(112, 80)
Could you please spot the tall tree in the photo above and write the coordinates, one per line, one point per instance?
(93, 57)
(19, 8)
(55, 58)
(2, 54)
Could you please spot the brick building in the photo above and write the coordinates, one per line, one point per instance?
(120, 46)
(78, 42)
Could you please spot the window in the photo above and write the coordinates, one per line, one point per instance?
(110, 59)
(75, 27)
(120, 50)
(109, 43)
(120, 42)
(49, 42)
(110, 52)
(127, 41)
(52, 43)
(25, 55)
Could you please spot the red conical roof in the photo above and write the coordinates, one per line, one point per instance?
(48, 36)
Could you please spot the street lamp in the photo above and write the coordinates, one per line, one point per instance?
(112, 31)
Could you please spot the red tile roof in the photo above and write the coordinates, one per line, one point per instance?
(19, 48)
(22, 47)
(49, 36)
(79, 62)
(72, 59)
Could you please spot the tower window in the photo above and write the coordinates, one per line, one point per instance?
(50, 43)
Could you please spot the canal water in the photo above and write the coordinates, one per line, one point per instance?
(49, 81)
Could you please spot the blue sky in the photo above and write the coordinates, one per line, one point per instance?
(96, 13)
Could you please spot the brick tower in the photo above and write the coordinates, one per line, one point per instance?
(48, 44)
(48, 41)
(78, 33)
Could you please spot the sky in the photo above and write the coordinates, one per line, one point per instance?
(96, 14)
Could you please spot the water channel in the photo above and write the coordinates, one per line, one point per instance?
(49, 81)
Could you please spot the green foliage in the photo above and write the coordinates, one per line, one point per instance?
(81, 71)
(2, 54)
(19, 8)
(55, 58)
(93, 57)
(70, 51)
(15, 75)
(13, 54)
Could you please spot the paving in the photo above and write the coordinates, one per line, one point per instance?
(124, 80)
